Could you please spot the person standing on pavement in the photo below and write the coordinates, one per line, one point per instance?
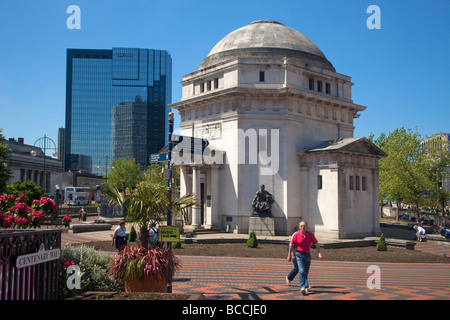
(300, 251)
(80, 214)
(84, 214)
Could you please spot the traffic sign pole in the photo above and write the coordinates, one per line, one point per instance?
(169, 185)
(169, 164)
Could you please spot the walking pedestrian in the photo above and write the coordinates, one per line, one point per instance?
(153, 238)
(290, 277)
(120, 235)
(300, 251)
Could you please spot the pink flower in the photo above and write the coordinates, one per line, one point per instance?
(37, 215)
(21, 207)
(9, 220)
(66, 221)
(49, 203)
(67, 263)
(21, 222)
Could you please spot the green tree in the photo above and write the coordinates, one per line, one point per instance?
(442, 197)
(132, 235)
(5, 172)
(126, 174)
(410, 172)
(148, 201)
(28, 188)
(437, 150)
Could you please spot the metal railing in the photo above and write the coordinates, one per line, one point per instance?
(29, 264)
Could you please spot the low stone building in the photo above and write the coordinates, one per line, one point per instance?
(27, 164)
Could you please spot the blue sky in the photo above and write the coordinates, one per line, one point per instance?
(400, 72)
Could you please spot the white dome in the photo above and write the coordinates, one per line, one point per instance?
(266, 37)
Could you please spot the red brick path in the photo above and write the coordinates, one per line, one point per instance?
(249, 278)
(227, 278)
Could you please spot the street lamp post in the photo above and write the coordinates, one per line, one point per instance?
(45, 144)
(107, 160)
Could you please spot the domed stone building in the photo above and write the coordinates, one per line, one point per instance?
(273, 111)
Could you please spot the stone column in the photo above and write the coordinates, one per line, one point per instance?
(213, 215)
(196, 191)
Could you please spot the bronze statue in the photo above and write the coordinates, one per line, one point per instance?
(262, 202)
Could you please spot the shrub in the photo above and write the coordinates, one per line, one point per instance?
(252, 242)
(132, 236)
(176, 245)
(381, 245)
(94, 266)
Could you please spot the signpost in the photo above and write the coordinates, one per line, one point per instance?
(188, 145)
(169, 185)
(159, 157)
(169, 234)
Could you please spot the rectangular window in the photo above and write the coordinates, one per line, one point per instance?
(351, 183)
(319, 182)
(327, 88)
(202, 87)
(216, 83)
(209, 85)
(311, 84)
(357, 182)
(261, 76)
(364, 184)
(319, 86)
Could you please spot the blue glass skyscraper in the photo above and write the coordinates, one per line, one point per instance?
(116, 106)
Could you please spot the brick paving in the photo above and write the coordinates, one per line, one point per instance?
(434, 247)
(225, 278)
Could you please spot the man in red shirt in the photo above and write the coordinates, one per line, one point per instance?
(299, 250)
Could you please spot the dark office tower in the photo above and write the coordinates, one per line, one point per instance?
(116, 106)
(129, 131)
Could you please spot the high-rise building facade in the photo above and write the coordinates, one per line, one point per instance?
(116, 106)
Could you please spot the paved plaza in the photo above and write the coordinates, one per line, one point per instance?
(225, 278)
(263, 279)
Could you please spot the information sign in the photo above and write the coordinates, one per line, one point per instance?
(169, 234)
(159, 157)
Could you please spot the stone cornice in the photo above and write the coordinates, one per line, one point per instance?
(258, 93)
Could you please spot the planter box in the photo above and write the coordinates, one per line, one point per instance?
(146, 285)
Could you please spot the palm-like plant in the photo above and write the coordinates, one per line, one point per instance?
(145, 205)
(148, 201)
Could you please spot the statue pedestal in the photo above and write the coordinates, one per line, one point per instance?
(262, 226)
